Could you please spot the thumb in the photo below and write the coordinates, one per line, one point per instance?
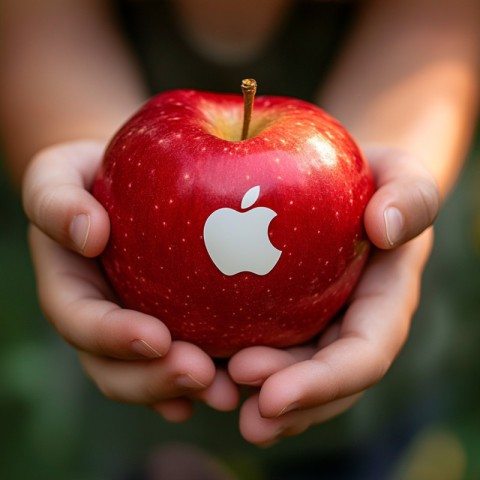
(56, 197)
(407, 199)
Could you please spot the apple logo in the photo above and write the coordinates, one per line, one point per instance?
(238, 241)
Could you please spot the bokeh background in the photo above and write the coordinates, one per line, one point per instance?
(424, 416)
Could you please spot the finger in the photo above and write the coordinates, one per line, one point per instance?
(56, 197)
(407, 199)
(373, 330)
(267, 431)
(222, 394)
(252, 366)
(184, 370)
(175, 410)
(78, 302)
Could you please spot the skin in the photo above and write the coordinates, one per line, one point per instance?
(413, 118)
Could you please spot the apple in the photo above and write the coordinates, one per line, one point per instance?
(234, 229)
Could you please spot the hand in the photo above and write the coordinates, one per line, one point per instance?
(129, 355)
(307, 385)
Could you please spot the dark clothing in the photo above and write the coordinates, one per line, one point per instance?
(294, 63)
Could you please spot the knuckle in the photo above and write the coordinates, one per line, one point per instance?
(428, 199)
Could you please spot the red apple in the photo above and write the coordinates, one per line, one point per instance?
(230, 242)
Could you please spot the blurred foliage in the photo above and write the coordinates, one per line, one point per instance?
(423, 418)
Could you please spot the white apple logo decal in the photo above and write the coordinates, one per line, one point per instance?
(238, 241)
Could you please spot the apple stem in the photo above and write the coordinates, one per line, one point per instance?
(249, 88)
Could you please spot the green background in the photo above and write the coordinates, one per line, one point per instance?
(55, 425)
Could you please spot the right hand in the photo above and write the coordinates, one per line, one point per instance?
(129, 355)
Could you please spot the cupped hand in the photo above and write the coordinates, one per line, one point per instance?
(306, 385)
(129, 355)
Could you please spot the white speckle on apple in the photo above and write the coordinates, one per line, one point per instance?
(170, 201)
(186, 176)
(340, 250)
(130, 185)
(160, 141)
(277, 160)
(290, 202)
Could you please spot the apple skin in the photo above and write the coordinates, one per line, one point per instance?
(177, 160)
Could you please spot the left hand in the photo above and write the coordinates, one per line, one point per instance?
(307, 385)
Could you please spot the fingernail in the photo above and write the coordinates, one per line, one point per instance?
(394, 225)
(187, 381)
(288, 408)
(145, 349)
(79, 230)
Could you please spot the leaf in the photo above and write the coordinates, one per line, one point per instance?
(250, 197)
